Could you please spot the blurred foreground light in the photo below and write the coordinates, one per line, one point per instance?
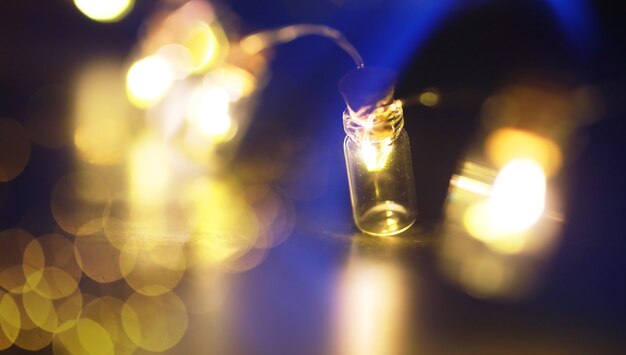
(516, 202)
(149, 173)
(104, 10)
(10, 320)
(148, 80)
(208, 109)
(101, 113)
(206, 44)
(155, 323)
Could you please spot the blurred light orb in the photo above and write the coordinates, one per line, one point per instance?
(206, 44)
(516, 203)
(105, 10)
(208, 109)
(518, 196)
(148, 80)
(10, 320)
(429, 98)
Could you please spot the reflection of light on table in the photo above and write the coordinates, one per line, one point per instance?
(371, 309)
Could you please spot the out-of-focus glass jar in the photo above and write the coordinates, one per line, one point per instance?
(380, 172)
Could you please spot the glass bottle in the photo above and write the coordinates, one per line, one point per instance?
(378, 155)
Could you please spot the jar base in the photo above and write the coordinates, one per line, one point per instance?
(386, 219)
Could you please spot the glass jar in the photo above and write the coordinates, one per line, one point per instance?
(380, 172)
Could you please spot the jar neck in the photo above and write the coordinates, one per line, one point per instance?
(382, 125)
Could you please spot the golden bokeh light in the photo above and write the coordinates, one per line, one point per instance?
(14, 149)
(207, 45)
(68, 310)
(13, 245)
(10, 320)
(53, 283)
(93, 337)
(102, 142)
(208, 111)
(96, 256)
(61, 274)
(105, 10)
(106, 311)
(151, 270)
(148, 80)
(101, 113)
(149, 173)
(429, 97)
(155, 323)
(33, 339)
(40, 310)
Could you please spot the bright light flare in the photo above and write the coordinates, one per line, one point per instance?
(148, 80)
(516, 203)
(208, 109)
(105, 10)
(518, 196)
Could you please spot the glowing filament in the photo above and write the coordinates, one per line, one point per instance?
(375, 156)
